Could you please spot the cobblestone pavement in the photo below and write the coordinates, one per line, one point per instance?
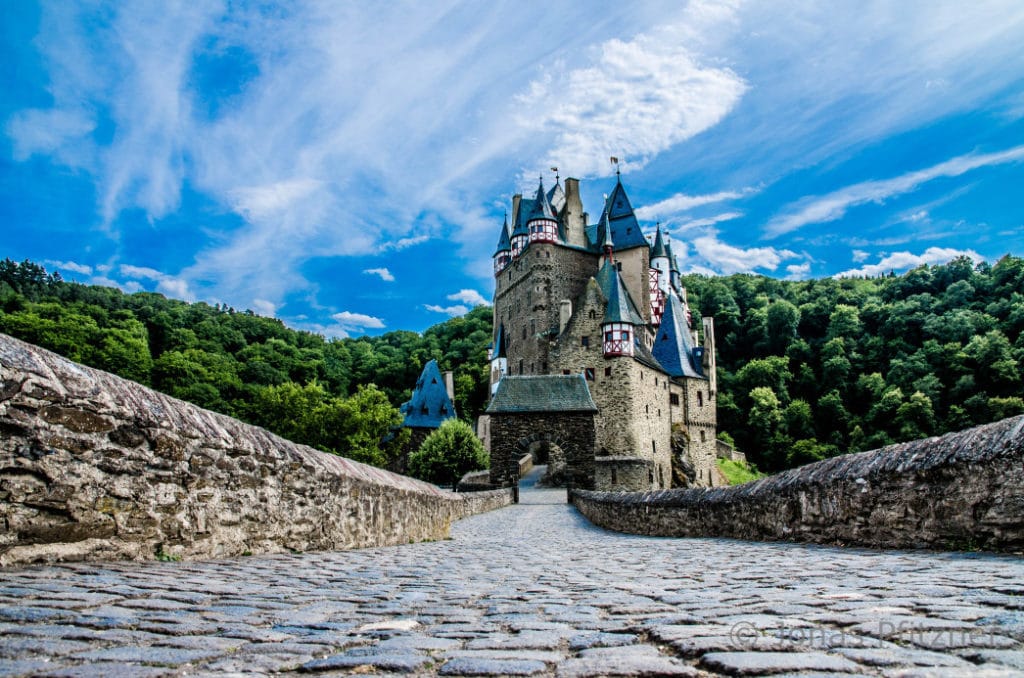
(527, 590)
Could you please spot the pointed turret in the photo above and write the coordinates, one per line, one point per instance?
(673, 346)
(607, 244)
(542, 223)
(660, 261)
(556, 196)
(673, 266)
(520, 233)
(621, 318)
(503, 254)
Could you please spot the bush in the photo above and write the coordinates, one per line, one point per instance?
(448, 454)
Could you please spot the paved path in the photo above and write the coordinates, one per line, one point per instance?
(531, 589)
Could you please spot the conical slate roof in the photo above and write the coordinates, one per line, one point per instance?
(620, 307)
(673, 348)
(658, 249)
(556, 196)
(504, 245)
(500, 343)
(625, 228)
(430, 404)
(541, 206)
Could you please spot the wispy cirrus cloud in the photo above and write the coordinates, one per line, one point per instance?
(383, 273)
(681, 202)
(72, 266)
(903, 261)
(834, 205)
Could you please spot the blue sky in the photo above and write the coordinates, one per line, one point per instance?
(345, 166)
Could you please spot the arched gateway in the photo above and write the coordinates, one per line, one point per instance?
(552, 409)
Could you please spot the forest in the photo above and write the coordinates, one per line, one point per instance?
(807, 369)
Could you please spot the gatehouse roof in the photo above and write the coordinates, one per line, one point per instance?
(430, 404)
(542, 393)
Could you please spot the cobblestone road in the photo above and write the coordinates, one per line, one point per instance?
(528, 590)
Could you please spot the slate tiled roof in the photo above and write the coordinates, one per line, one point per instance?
(542, 393)
(541, 207)
(504, 245)
(430, 404)
(658, 249)
(673, 347)
(621, 307)
(625, 228)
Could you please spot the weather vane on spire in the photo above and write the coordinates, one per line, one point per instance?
(555, 170)
(615, 161)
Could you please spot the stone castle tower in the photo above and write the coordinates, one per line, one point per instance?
(600, 301)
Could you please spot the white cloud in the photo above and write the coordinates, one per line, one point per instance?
(469, 297)
(729, 259)
(453, 311)
(691, 224)
(903, 261)
(69, 266)
(264, 307)
(681, 202)
(403, 243)
(833, 206)
(859, 256)
(260, 202)
(384, 273)
(175, 287)
(349, 321)
(798, 271)
(637, 99)
(48, 131)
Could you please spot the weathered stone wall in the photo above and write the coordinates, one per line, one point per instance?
(701, 421)
(963, 490)
(96, 467)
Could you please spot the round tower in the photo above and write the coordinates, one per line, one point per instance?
(503, 254)
(542, 224)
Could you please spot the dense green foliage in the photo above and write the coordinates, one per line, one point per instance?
(813, 368)
(448, 454)
(338, 395)
(807, 369)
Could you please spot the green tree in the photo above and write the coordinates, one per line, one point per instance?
(448, 453)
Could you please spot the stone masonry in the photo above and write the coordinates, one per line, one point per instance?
(96, 467)
(963, 490)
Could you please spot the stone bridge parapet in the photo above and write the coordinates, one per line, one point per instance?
(963, 490)
(93, 466)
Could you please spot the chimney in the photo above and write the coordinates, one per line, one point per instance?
(449, 384)
(516, 199)
(575, 218)
(564, 313)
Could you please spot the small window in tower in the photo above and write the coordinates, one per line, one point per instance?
(548, 254)
(702, 439)
(650, 475)
(524, 331)
(444, 409)
(433, 380)
(700, 399)
(607, 371)
(659, 411)
(521, 366)
(424, 410)
(618, 266)
(589, 373)
(592, 314)
(608, 336)
(615, 475)
(585, 341)
(625, 335)
(544, 366)
(565, 371)
(647, 409)
(655, 381)
(673, 399)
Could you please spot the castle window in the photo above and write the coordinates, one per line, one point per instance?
(444, 409)
(647, 409)
(588, 372)
(424, 410)
(565, 371)
(521, 366)
(673, 398)
(609, 336)
(625, 335)
(524, 331)
(548, 254)
(650, 476)
(702, 439)
(544, 366)
(607, 371)
(655, 381)
(618, 266)
(433, 380)
(585, 341)
(661, 477)
(592, 314)
(615, 475)
(654, 447)
(659, 411)
(700, 398)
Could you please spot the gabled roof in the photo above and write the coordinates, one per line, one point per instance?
(504, 245)
(620, 307)
(430, 404)
(625, 228)
(658, 248)
(542, 393)
(673, 346)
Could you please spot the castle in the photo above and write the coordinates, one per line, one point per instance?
(594, 360)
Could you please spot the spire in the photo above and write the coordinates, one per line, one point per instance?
(430, 404)
(607, 244)
(658, 249)
(541, 206)
(673, 347)
(504, 245)
(556, 196)
(620, 307)
(623, 221)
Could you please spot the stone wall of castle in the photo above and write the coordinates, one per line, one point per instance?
(961, 491)
(93, 467)
(572, 433)
(701, 421)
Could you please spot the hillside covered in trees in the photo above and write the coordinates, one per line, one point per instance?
(807, 369)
